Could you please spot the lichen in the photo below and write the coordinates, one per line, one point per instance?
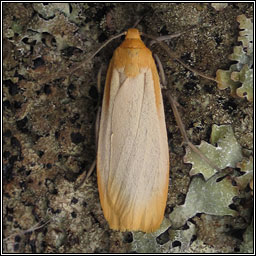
(224, 151)
(147, 242)
(246, 166)
(48, 11)
(239, 77)
(182, 237)
(211, 197)
(219, 6)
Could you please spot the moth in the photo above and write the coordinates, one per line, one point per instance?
(133, 156)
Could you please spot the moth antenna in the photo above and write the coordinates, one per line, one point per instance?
(84, 176)
(176, 58)
(165, 38)
(97, 51)
(32, 229)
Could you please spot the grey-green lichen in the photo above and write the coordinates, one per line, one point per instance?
(219, 6)
(224, 151)
(246, 166)
(147, 243)
(239, 77)
(211, 197)
(183, 237)
(48, 11)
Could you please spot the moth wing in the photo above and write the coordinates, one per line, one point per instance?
(133, 159)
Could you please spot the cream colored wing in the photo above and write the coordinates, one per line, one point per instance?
(133, 159)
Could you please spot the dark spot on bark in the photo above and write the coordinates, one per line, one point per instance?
(73, 214)
(176, 243)
(74, 200)
(21, 125)
(38, 62)
(76, 137)
(93, 92)
(47, 89)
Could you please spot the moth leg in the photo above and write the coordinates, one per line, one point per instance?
(85, 175)
(161, 71)
(97, 123)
